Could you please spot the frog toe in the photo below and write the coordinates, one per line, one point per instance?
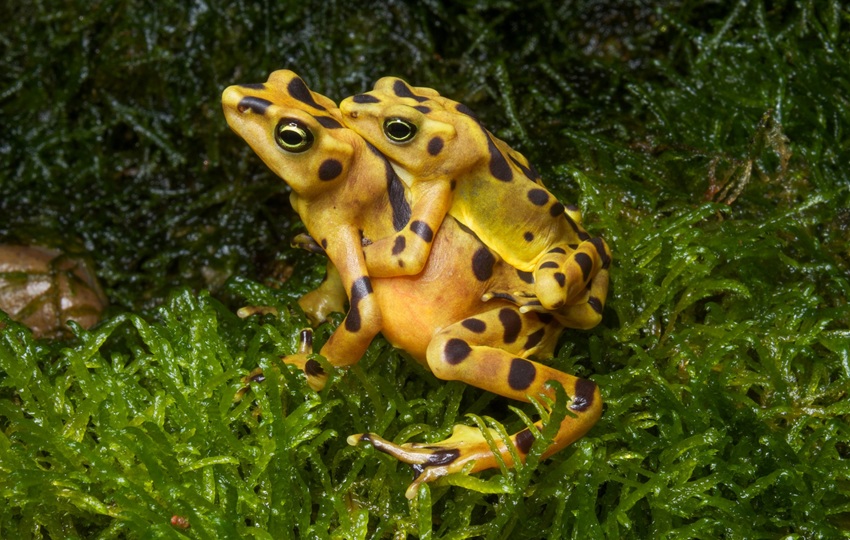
(429, 461)
(525, 301)
(316, 375)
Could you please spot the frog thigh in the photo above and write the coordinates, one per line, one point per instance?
(465, 351)
(405, 253)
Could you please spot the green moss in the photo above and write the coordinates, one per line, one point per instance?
(708, 144)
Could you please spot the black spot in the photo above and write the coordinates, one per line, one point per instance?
(544, 318)
(352, 319)
(530, 172)
(456, 351)
(474, 325)
(538, 197)
(560, 278)
(299, 91)
(528, 236)
(527, 277)
(524, 439)
(437, 459)
(521, 374)
(463, 109)
(583, 399)
(313, 368)
(482, 264)
(600, 250)
(556, 210)
(435, 146)
(572, 223)
(329, 169)
(549, 264)
(558, 250)
(511, 323)
(328, 122)
(423, 109)
(453, 185)
(254, 86)
(442, 457)
(422, 230)
(399, 245)
(534, 338)
(585, 263)
(360, 289)
(365, 98)
(395, 190)
(584, 236)
(254, 104)
(505, 296)
(595, 304)
(325, 243)
(499, 167)
(402, 90)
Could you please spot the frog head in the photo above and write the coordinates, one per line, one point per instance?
(415, 128)
(297, 132)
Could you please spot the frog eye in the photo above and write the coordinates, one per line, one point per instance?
(293, 136)
(399, 130)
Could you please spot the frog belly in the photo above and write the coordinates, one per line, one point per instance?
(414, 308)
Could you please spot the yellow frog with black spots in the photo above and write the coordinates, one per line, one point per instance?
(445, 316)
(454, 165)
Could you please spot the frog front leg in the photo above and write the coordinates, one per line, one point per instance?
(405, 253)
(362, 321)
(490, 351)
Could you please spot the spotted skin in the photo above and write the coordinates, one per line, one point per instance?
(463, 331)
(490, 188)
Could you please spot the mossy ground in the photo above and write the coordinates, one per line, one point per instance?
(707, 143)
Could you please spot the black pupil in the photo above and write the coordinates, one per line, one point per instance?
(399, 129)
(292, 136)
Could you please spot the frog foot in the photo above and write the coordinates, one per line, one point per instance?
(526, 302)
(562, 276)
(316, 376)
(306, 242)
(466, 446)
(303, 359)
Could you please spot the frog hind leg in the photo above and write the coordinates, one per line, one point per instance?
(562, 275)
(465, 351)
